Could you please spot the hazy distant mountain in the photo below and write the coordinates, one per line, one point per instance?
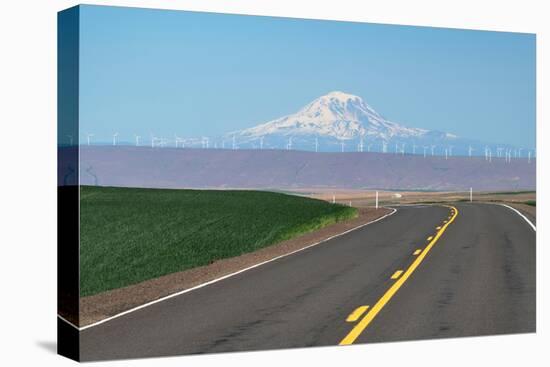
(340, 120)
(338, 115)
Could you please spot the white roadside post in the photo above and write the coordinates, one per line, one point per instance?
(88, 136)
(470, 194)
(333, 199)
(376, 200)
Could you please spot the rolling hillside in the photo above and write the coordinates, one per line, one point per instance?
(132, 235)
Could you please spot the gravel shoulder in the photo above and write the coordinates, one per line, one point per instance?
(103, 305)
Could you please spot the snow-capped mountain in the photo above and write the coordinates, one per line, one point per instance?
(340, 121)
(337, 115)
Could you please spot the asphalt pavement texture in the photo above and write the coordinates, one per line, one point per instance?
(478, 279)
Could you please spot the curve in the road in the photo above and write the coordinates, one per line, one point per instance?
(478, 280)
(162, 299)
(401, 279)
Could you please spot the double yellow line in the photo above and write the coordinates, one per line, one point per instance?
(360, 327)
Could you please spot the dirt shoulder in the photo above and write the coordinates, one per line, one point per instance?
(100, 306)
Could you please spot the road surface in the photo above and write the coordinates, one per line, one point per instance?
(474, 275)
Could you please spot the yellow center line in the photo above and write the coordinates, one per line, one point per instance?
(417, 252)
(430, 238)
(356, 314)
(365, 321)
(397, 274)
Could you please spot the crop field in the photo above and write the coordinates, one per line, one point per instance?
(129, 235)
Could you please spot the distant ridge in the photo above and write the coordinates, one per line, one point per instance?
(281, 169)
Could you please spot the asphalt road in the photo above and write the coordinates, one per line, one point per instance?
(476, 277)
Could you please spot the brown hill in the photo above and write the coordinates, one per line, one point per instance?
(281, 169)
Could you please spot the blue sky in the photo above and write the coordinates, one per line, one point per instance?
(164, 72)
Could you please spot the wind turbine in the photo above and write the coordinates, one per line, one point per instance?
(289, 144)
(234, 144)
(343, 144)
(403, 149)
(470, 150)
(519, 152)
(384, 147)
(88, 136)
(433, 148)
(70, 139)
(529, 157)
(137, 140)
(361, 145)
(488, 154)
(425, 148)
(179, 140)
(316, 144)
(160, 141)
(114, 138)
(414, 148)
(261, 142)
(368, 147)
(446, 153)
(450, 151)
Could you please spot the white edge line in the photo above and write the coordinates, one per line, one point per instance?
(67, 321)
(521, 215)
(221, 278)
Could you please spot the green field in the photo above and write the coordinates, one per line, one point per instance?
(131, 235)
